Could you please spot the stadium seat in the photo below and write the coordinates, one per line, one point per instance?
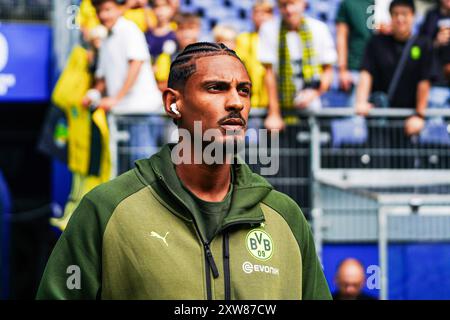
(436, 132)
(350, 131)
(238, 14)
(335, 99)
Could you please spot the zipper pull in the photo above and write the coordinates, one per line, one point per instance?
(226, 249)
(211, 261)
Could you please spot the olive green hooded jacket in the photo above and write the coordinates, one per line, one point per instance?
(136, 237)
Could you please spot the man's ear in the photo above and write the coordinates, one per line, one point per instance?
(172, 103)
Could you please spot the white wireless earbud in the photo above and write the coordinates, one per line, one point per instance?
(173, 108)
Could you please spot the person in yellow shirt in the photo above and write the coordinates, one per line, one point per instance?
(137, 11)
(188, 31)
(140, 13)
(246, 48)
(163, 33)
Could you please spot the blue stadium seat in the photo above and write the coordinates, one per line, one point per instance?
(350, 131)
(436, 132)
(238, 13)
(212, 11)
(335, 99)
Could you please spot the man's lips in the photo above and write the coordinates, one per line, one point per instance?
(233, 122)
(233, 125)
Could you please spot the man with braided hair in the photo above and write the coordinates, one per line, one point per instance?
(178, 228)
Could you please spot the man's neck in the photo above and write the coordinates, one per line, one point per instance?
(162, 28)
(114, 24)
(208, 182)
(295, 26)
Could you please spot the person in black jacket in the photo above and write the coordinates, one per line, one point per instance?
(436, 26)
(382, 56)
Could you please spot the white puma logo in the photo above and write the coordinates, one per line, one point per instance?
(154, 234)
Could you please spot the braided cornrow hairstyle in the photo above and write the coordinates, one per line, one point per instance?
(184, 64)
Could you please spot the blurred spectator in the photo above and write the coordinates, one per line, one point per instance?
(163, 31)
(247, 49)
(124, 74)
(350, 279)
(381, 60)
(225, 34)
(188, 31)
(437, 27)
(134, 10)
(88, 154)
(175, 4)
(353, 31)
(299, 51)
(447, 68)
(140, 13)
(87, 18)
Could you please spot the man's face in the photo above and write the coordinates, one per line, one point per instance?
(260, 15)
(447, 71)
(292, 11)
(350, 281)
(132, 4)
(187, 34)
(108, 13)
(175, 4)
(445, 4)
(163, 11)
(402, 19)
(142, 3)
(218, 95)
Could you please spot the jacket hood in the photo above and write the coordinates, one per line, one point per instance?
(249, 189)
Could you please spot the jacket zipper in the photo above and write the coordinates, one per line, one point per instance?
(226, 266)
(226, 255)
(210, 264)
(249, 222)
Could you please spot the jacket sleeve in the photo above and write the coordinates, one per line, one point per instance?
(314, 284)
(73, 270)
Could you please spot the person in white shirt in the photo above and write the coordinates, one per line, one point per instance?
(125, 79)
(298, 53)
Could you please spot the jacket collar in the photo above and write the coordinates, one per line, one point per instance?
(248, 191)
(119, 23)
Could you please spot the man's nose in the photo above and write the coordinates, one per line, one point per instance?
(234, 101)
(290, 8)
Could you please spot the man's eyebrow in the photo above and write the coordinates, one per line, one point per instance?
(213, 81)
(224, 82)
(245, 83)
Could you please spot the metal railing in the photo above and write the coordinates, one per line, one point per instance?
(378, 185)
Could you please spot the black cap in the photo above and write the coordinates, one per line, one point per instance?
(407, 3)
